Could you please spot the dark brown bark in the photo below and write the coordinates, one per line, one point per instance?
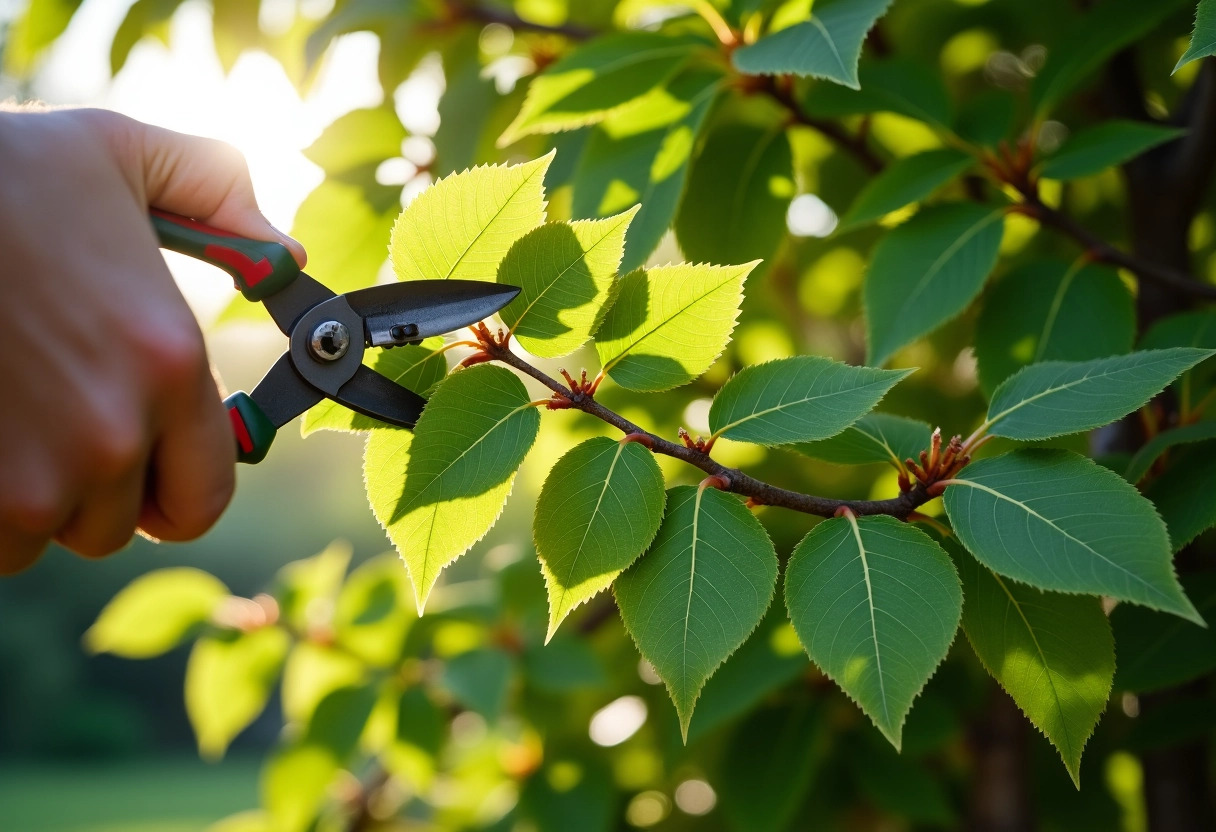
(1000, 794)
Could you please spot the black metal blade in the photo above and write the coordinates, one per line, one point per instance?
(373, 395)
(283, 394)
(399, 313)
(288, 304)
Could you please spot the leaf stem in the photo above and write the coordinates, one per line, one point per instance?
(725, 35)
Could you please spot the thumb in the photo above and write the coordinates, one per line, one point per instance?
(205, 179)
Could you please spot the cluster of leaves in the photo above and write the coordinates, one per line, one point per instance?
(708, 125)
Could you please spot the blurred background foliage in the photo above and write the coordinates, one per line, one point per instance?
(461, 719)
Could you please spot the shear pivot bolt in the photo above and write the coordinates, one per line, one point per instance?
(329, 341)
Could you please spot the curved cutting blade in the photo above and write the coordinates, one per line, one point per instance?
(399, 313)
(373, 395)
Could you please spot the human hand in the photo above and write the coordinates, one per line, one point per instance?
(112, 420)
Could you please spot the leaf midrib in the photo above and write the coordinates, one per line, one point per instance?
(942, 259)
(486, 227)
(865, 570)
(785, 405)
(620, 448)
(827, 36)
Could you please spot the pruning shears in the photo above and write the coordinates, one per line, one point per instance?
(327, 333)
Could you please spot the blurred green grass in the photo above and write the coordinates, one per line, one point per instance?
(176, 794)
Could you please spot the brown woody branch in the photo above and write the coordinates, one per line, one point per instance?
(759, 492)
(477, 13)
(780, 89)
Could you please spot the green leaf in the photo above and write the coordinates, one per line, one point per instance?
(312, 672)
(569, 794)
(598, 78)
(903, 182)
(294, 784)
(897, 85)
(598, 511)
(565, 664)
(1162, 442)
(926, 271)
(254, 820)
(360, 139)
(876, 437)
(566, 272)
(1189, 329)
(1159, 651)
(1184, 494)
(310, 583)
(1049, 311)
(144, 17)
(1203, 39)
(155, 612)
(229, 677)
(769, 764)
(374, 611)
(1055, 398)
(640, 154)
(28, 36)
(669, 323)
(738, 193)
(478, 680)
(420, 728)
(699, 591)
(463, 225)
(1061, 522)
(340, 718)
(799, 399)
(1054, 654)
(899, 785)
(826, 46)
(876, 603)
(1088, 42)
(416, 367)
(439, 490)
(1104, 145)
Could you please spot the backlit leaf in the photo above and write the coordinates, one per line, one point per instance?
(153, 613)
(360, 139)
(1049, 311)
(876, 603)
(739, 190)
(1184, 495)
(1053, 653)
(826, 46)
(310, 583)
(595, 79)
(1104, 145)
(927, 271)
(598, 511)
(1203, 39)
(699, 591)
(416, 367)
(1055, 398)
(566, 272)
(1060, 522)
(374, 610)
(438, 490)
(312, 672)
(229, 677)
(1160, 651)
(799, 399)
(669, 323)
(903, 182)
(461, 226)
(875, 437)
(640, 154)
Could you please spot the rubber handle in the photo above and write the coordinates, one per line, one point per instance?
(258, 268)
(253, 429)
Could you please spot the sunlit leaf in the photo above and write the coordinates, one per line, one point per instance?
(313, 671)
(739, 190)
(374, 611)
(294, 784)
(1049, 311)
(36, 28)
(589, 83)
(826, 46)
(876, 437)
(876, 603)
(1053, 653)
(903, 182)
(566, 272)
(1104, 145)
(1055, 398)
(155, 612)
(927, 271)
(228, 679)
(1203, 39)
(438, 490)
(305, 585)
(143, 17)
(463, 225)
(699, 591)
(360, 139)
(598, 511)
(669, 323)
(1060, 522)
(640, 154)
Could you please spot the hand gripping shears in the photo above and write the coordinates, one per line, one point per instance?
(327, 333)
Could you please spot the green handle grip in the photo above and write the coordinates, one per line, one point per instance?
(258, 268)
(253, 428)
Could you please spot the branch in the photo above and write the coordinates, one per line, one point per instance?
(463, 10)
(739, 483)
(780, 89)
(1104, 252)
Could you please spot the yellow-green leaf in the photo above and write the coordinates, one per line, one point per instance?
(155, 612)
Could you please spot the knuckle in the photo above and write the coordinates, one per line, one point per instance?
(194, 520)
(30, 513)
(116, 446)
(174, 355)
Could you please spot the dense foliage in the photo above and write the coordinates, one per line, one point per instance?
(976, 191)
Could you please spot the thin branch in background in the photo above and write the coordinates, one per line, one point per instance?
(460, 10)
